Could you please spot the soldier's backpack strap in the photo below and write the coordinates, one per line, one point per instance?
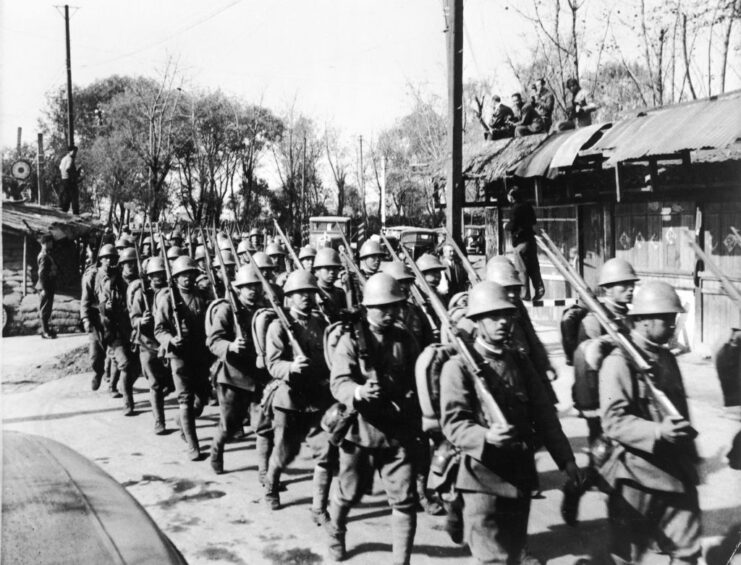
(260, 323)
(570, 323)
(210, 313)
(332, 335)
(427, 370)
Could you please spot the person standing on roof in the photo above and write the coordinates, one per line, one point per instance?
(70, 195)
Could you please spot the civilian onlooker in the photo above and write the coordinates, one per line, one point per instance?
(46, 285)
(499, 126)
(521, 227)
(70, 194)
(580, 110)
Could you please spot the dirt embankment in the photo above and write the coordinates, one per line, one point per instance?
(72, 362)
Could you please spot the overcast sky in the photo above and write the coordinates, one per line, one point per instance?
(344, 62)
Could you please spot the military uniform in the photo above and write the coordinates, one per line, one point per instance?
(654, 483)
(188, 363)
(140, 300)
(90, 316)
(525, 340)
(383, 437)
(46, 285)
(331, 301)
(298, 400)
(497, 483)
(237, 384)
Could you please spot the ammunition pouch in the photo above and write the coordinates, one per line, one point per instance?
(336, 421)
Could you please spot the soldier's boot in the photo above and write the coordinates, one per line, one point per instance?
(263, 446)
(188, 425)
(158, 411)
(127, 383)
(454, 519)
(403, 528)
(272, 485)
(217, 451)
(179, 426)
(572, 494)
(320, 495)
(428, 503)
(336, 529)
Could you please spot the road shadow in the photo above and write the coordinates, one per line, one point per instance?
(59, 416)
(370, 515)
(445, 552)
(587, 538)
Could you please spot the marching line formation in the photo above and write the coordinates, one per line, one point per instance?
(444, 400)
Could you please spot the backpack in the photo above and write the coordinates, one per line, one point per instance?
(570, 323)
(260, 323)
(332, 335)
(427, 371)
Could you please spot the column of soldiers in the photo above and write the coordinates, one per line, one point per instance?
(306, 349)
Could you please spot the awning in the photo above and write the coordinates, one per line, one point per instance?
(713, 123)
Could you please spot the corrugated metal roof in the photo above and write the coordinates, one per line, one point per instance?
(580, 138)
(713, 123)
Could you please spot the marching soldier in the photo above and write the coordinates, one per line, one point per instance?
(173, 252)
(267, 268)
(651, 471)
(497, 475)
(230, 265)
(373, 374)
(90, 312)
(411, 314)
(302, 394)
(307, 256)
(278, 257)
(141, 301)
(327, 267)
(522, 336)
(122, 243)
(236, 382)
(617, 279)
(116, 323)
(46, 285)
(185, 346)
(432, 269)
(370, 257)
(255, 240)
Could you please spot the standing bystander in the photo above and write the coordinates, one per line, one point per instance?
(46, 285)
(70, 195)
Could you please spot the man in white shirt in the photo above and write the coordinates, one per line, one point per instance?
(69, 195)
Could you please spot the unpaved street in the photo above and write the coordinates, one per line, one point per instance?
(221, 519)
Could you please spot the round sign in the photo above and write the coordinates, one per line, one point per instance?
(21, 169)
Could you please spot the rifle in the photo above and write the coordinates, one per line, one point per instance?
(288, 245)
(617, 331)
(190, 242)
(139, 270)
(273, 299)
(227, 290)
(491, 409)
(473, 276)
(416, 294)
(207, 256)
(170, 287)
(731, 290)
(346, 243)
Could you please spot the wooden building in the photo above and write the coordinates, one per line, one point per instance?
(639, 188)
(23, 225)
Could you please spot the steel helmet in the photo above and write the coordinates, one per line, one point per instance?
(503, 272)
(381, 289)
(243, 246)
(247, 274)
(255, 231)
(200, 252)
(274, 249)
(127, 254)
(228, 258)
(300, 280)
(174, 252)
(428, 262)
(147, 240)
(370, 248)
(224, 244)
(487, 297)
(656, 297)
(107, 251)
(263, 260)
(616, 270)
(155, 265)
(122, 242)
(184, 264)
(307, 251)
(327, 257)
(398, 270)
(175, 235)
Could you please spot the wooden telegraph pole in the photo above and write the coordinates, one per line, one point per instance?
(454, 190)
(70, 106)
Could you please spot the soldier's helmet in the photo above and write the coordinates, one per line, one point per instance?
(107, 250)
(327, 257)
(174, 252)
(155, 265)
(616, 270)
(123, 242)
(184, 264)
(200, 252)
(247, 274)
(255, 232)
(428, 262)
(274, 249)
(487, 297)
(656, 297)
(263, 260)
(398, 270)
(147, 241)
(307, 251)
(382, 289)
(127, 255)
(300, 280)
(228, 258)
(243, 246)
(502, 272)
(370, 248)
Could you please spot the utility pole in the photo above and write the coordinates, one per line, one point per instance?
(70, 106)
(303, 188)
(362, 178)
(383, 194)
(39, 168)
(454, 190)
